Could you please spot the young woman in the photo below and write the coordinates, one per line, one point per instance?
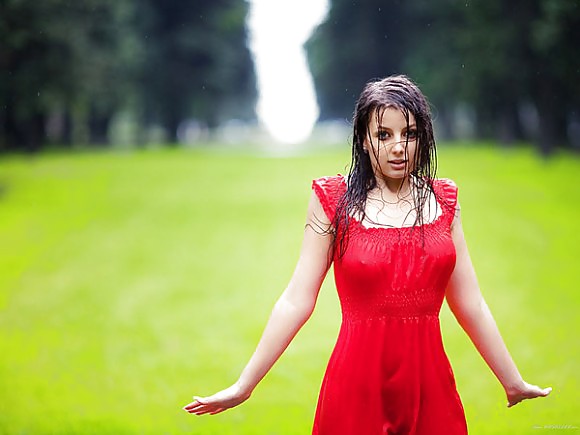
(393, 232)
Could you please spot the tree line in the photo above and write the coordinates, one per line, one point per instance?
(509, 71)
(512, 68)
(67, 67)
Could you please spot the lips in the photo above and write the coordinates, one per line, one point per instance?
(398, 164)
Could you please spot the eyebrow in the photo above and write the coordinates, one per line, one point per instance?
(381, 127)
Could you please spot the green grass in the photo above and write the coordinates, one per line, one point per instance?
(131, 281)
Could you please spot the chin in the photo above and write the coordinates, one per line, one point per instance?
(398, 176)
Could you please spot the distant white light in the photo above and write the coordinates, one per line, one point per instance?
(287, 100)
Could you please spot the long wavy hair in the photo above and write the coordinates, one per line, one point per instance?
(401, 93)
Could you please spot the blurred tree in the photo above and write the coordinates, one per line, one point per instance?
(197, 64)
(61, 61)
(359, 40)
(495, 55)
(432, 57)
(517, 53)
(555, 73)
(27, 55)
(497, 58)
(67, 67)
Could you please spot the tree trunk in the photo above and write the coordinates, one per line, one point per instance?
(552, 118)
(171, 125)
(67, 129)
(98, 127)
(484, 123)
(509, 125)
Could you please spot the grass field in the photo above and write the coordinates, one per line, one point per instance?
(131, 281)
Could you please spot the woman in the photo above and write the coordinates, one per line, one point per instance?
(394, 234)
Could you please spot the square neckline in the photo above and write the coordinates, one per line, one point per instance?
(429, 224)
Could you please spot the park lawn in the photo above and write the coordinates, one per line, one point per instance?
(130, 281)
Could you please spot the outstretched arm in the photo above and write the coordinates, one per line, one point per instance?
(290, 312)
(467, 304)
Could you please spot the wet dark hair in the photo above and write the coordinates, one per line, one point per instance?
(401, 93)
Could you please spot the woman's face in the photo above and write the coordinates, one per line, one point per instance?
(392, 144)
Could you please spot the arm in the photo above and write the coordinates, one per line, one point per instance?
(467, 304)
(290, 312)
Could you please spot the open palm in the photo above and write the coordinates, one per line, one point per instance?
(219, 402)
(526, 391)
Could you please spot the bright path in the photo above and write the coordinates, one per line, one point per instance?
(287, 101)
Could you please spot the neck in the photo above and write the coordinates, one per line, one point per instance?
(394, 186)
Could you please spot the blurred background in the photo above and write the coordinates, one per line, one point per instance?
(104, 72)
(155, 167)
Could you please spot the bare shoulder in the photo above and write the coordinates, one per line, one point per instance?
(316, 218)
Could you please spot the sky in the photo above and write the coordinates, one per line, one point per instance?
(278, 30)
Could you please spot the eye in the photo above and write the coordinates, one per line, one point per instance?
(411, 134)
(382, 135)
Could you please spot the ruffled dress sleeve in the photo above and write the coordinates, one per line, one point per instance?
(329, 191)
(446, 190)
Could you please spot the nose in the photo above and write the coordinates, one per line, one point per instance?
(398, 147)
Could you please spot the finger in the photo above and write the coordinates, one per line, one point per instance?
(201, 409)
(200, 402)
(201, 399)
(194, 409)
(204, 411)
(542, 391)
(538, 392)
(217, 411)
(190, 405)
(193, 406)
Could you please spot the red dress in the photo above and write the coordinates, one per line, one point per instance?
(388, 373)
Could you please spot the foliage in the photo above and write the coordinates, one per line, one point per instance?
(68, 67)
(197, 64)
(68, 59)
(349, 48)
(129, 282)
(498, 58)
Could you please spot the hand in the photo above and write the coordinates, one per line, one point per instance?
(525, 391)
(217, 403)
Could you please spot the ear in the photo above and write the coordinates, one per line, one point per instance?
(365, 146)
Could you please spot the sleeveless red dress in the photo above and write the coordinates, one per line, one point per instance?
(388, 373)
